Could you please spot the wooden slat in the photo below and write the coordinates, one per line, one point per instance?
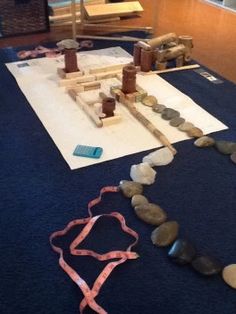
(67, 9)
(113, 9)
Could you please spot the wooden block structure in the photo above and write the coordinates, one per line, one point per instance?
(128, 97)
(158, 51)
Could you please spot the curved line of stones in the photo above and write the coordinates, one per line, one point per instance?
(182, 251)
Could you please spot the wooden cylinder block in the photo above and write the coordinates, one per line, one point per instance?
(171, 53)
(146, 60)
(108, 106)
(137, 54)
(187, 41)
(162, 40)
(70, 61)
(129, 79)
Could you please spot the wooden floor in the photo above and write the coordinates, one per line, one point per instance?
(213, 29)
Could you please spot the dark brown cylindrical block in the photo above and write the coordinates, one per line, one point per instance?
(146, 60)
(70, 61)
(129, 79)
(108, 106)
(137, 54)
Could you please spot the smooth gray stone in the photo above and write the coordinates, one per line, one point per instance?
(233, 157)
(204, 141)
(207, 265)
(68, 44)
(182, 252)
(151, 213)
(225, 147)
(168, 114)
(139, 199)
(185, 126)
(130, 188)
(176, 121)
(165, 234)
(195, 132)
(158, 108)
(150, 101)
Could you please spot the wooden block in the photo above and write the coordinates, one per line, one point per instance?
(113, 9)
(65, 9)
(77, 89)
(62, 17)
(89, 111)
(72, 93)
(61, 72)
(108, 68)
(76, 80)
(111, 120)
(107, 75)
(130, 97)
(91, 85)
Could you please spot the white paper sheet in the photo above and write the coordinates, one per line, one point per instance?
(69, 126)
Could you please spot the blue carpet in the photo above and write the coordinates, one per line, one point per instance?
(40, 194)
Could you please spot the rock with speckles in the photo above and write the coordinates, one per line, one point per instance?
(130, 188)
(151, 214)
(139, 199)
(176, 121)
(206, 265)
(165, 234)
(185, 126)
(169, 113)
(204, 141)
(150, 101)
(195, 132)
(158, 108)
(225, 147)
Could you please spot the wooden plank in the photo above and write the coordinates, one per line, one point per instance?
(68, 21)
(81, 79)
(185, 67)
(66, 9)
(108, 68)
(62, 17)
(113, 9)
(89, 111)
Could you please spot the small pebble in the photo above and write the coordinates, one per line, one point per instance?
(229, 275)
(169, 113)
(165, 234)
(138, 199)
(204, 141)
(130, 188)
(151, 214)
(195, 132)
(233, 157)
(150, 101)
(185, 126)
(177, 121)
(158, 108)
(160, 157)
(182, 252)
(206, 265)
(225, 147)
(143, 173)
(68, 44)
